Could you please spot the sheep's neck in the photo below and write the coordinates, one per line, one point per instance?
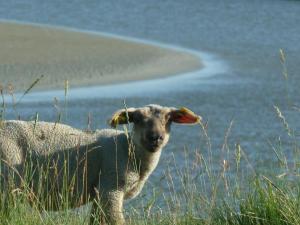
(144, 162)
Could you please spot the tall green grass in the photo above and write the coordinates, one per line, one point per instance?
(197, 191)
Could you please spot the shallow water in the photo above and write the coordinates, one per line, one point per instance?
(242, 82)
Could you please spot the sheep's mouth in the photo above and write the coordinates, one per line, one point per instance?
(152, 146)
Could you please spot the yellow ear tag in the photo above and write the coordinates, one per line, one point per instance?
(119, 119)
(186, 110)
(114, 121)
(122, 118)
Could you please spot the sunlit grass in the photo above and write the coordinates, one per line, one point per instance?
(197, 192)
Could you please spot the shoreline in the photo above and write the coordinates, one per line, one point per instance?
(84, 58)
(141, 88)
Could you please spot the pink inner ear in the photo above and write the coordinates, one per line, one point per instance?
(184, 116)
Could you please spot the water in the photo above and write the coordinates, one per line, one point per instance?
(244, 35)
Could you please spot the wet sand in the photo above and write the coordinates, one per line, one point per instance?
(84, 59)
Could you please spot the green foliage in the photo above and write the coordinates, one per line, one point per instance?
(265, 204)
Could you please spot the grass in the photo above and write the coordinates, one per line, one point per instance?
(198, 193)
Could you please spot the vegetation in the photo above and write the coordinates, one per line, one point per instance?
(198, 193)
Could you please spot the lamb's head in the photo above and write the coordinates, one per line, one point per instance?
(152, 124)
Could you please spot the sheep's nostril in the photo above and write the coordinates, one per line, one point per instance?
(155, 137)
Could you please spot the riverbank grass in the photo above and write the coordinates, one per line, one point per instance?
(200, 189)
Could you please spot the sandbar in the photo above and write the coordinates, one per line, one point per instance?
(28, 51)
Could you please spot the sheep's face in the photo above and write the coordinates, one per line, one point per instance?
(152, 124)
(151, 128)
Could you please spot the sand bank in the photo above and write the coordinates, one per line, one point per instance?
(28, 51)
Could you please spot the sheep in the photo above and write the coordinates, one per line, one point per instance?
(107, 165)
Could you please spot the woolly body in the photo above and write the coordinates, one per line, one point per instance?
(104, 152)
(109, 165)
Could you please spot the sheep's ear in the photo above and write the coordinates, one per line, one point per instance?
(184, 116)
(122, 116)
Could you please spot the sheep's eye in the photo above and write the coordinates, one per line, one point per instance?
(167, 118)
